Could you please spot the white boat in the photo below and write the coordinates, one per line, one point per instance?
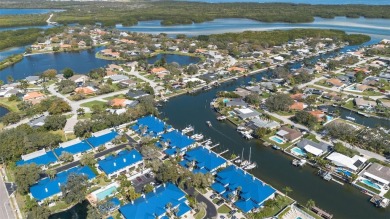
(250, 166)
(276, 147)
(187, 129)
(244, 163)
(220, 118)
(197, 137)
(209, 123)
(241, 128)
(350, 118)
(237, 161)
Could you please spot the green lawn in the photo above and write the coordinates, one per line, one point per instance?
(215, 200)
(349, 104)
(201, 214)
(266, 139)
(10, 105)
(311, 137)
(387, 195)
(224, 209)
(116, 96)
(95, 102)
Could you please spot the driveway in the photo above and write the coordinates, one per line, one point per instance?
(6, 211)
(211, 210)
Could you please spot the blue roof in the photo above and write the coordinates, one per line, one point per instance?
(252, 189)
(154, 203)
(175, 140)
(245, 206)
(45, 159)
(205, 160)
(123, 159)
(155, 126)
(101, 140)
(73, 149)
(218, 187)
(47, 187)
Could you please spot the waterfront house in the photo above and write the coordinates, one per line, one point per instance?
(47, 188)
(364, 104)
(289, 134)
(236, 69)
(9, 92)
(351, 164)
(122, 163)
(114, 67)
(262, 123)
(175, 143)
(33, 79)
(315, 148)
(318, 114)
(122, 102)
(236, 102)
(117, 78)
(41, 157)
(34, 97)
(246, 191)
(254, 89)
(167, 198)
(378, 173)
(242, 92)
(202, 160)
(150, 125)
(246, 113)
(79, 79)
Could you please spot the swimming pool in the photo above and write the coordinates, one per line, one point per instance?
(298, 151)
(328, 118)
(346, 172)
(371, 184)
(105, 193)
(277, 139)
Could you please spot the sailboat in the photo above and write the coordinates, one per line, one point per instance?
(350, 117)
(242, 156)
(250, 165)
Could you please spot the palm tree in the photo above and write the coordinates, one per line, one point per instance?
(310, 203)
(51, 173)
(80, 111)
(10, 79)
(287, 190)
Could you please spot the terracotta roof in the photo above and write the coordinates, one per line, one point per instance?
(84, 90)
(118, 102)
(297, 96)
(33, 95)
(158, 70)
(335, 82)
(297, 106)
(318, 114)
(235, 68)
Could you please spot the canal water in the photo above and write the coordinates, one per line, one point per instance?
(182, 60)
(274, 167)
(316, 2)
(23, 11)
(3, 111)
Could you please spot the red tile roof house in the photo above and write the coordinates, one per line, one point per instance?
(115, 67)
(289, 134)
(110, 53)
(159, 72)
(298, 106)
(318, 114)
(334, 82)
(34, 97)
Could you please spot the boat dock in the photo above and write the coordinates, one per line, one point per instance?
(216, 145)
(380, 201)
(225, 151)
(321, 213)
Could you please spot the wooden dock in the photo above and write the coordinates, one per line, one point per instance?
(224, 151)
(321, 213)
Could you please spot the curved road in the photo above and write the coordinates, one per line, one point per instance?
(211, 210)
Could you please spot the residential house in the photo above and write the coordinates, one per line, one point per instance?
(33, 79)
(298, 106)
(159, 72)
(334, 82)
(41, 157)
(202, 160)
(136, 94)
(37, 122)
(378, 173)
(318, 114)
(34, 97)
(289, 134)
(351, 164)
(315, 148)
(262, 123)
(235, 102)
(127, 83)
(117, 78)
(364, 104)
(79, 79)
(242, 92)
(122, 102)
(85, 90)
(246, 113)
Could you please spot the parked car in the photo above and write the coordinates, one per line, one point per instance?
(213, 196)
(220, 202)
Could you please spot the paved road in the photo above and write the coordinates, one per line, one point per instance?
(211, 210)
(6, 211)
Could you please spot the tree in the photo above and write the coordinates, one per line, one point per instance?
(59, 106)
(66, 157)
(80, 111)
(261, 132)
(88, 159)
(287, 190)
(131, 194)
(92, 213)
(148, 188)
(305, 118)
(75, 188)
(25, 176)
(49, 74)
(10, 79)
(66, 86)
(11, 118)
(51, 173)
(55, 122)
(39, 212)
(310, 203)
(23, 84)
(253, 99)
(1, 83)
(279, 102)
(67, 72)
